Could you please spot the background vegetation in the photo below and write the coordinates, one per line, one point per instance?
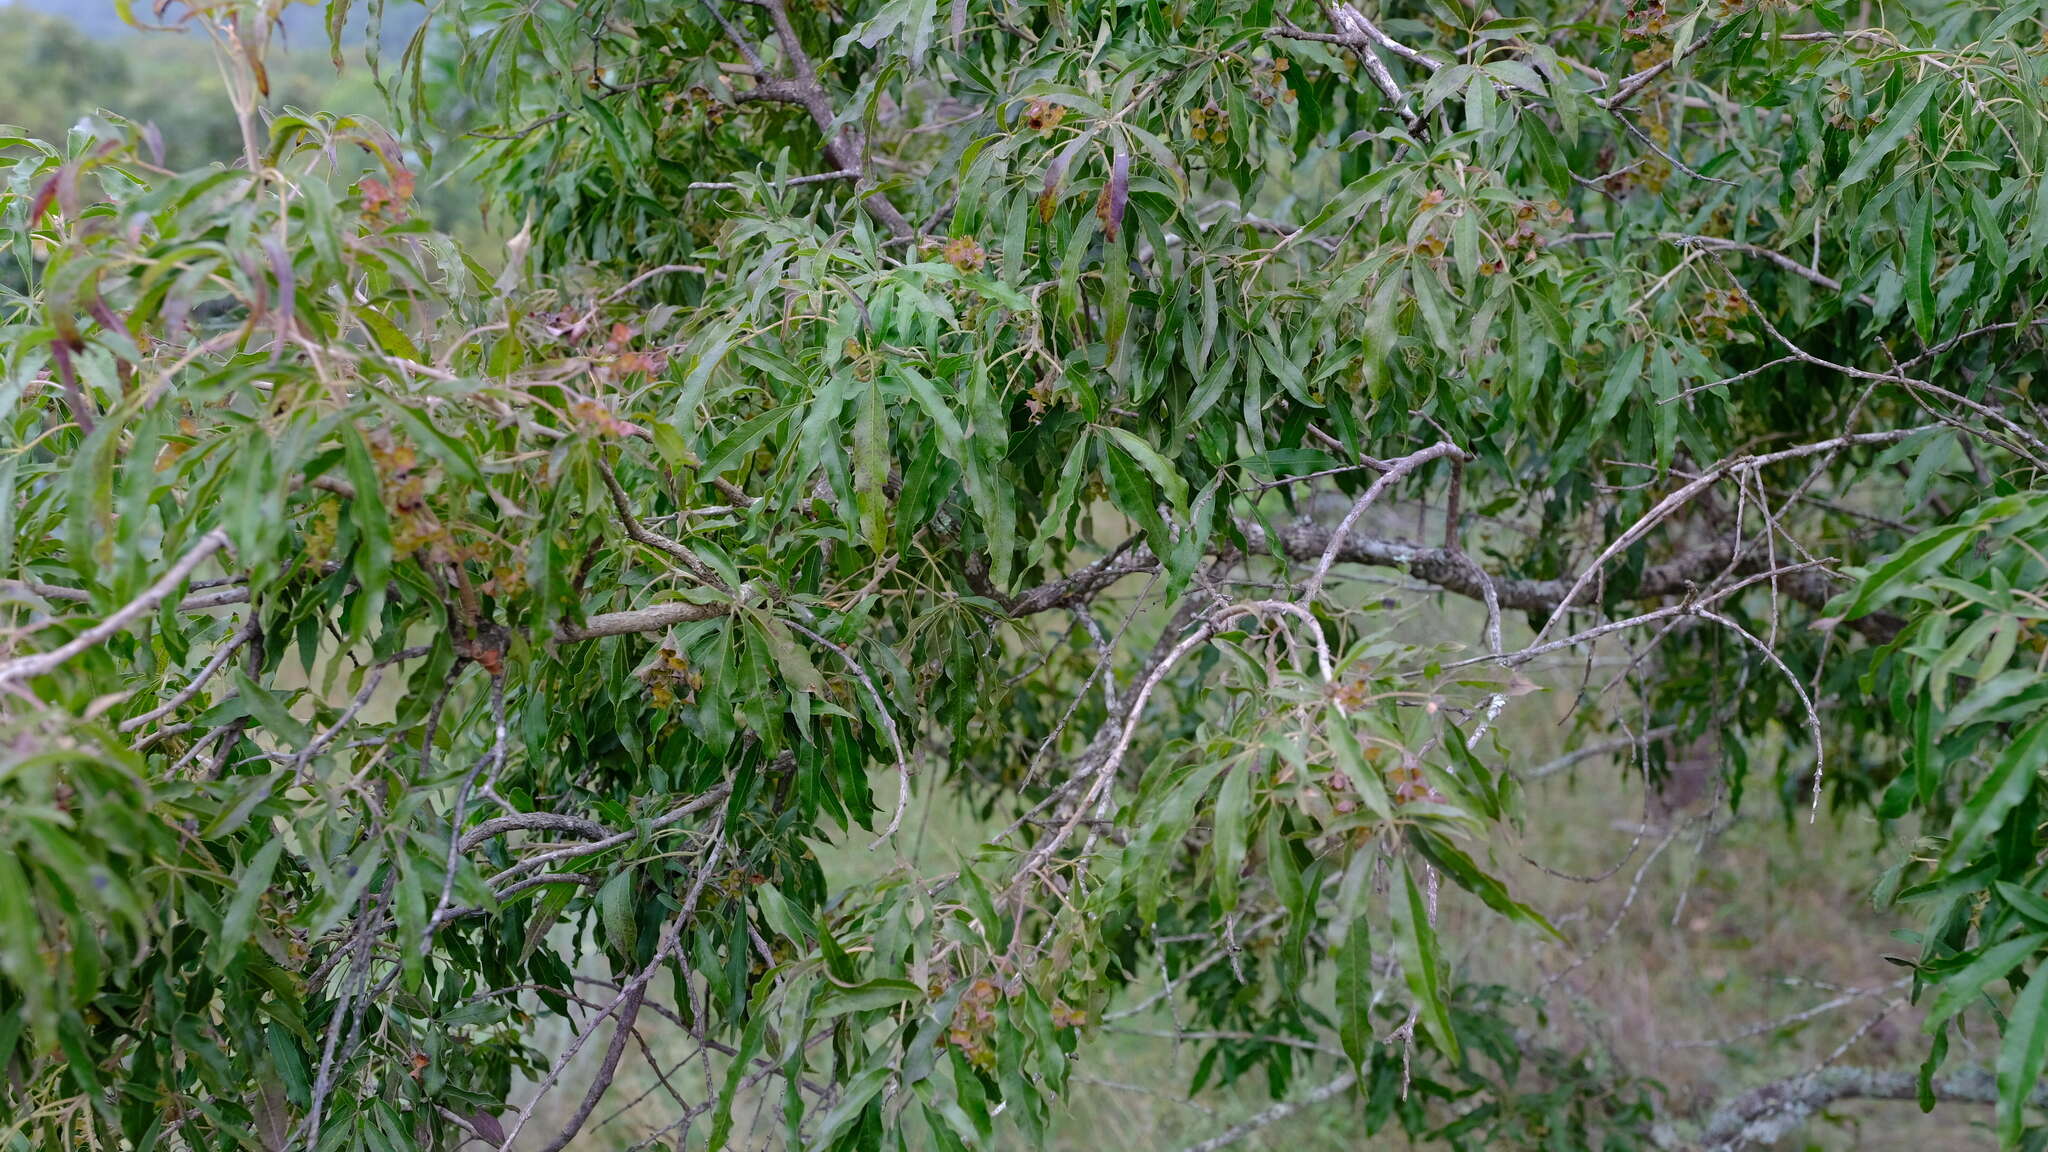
(941, 573)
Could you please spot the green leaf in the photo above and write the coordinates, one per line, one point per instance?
(951, 437)
(1415, 943)
(1162, 472)
(742, 1060)
(1116, 305)
(2028, 904)
(452, 453)
(1516, 74)
(1364, 779)
(240, 916)
(1291, 888)
(1619, 385)
(1354, 993)
(389, 337)
(1920, 267)
(1926, 554)
(790, 657)
(1936, 1053)
(852, 1102)
(784, 919)
(21, 940)
(546, 914)
(2020, 1058)
(1053, 528)
(2012, 775)
(264, 706)
(410, 904)
(290, 1065)
(1132, 491)
(884, 992)
(1959, 989)
(1898, 121)
(1467, 875)
(2010, 18)
(744, 439)
(871, 466)
(1233, 818)
(617, 905)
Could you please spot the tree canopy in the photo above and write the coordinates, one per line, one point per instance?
(406, 645)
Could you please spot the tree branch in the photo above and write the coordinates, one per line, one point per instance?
(652, 618)
(843, 145)
(1767, 1114)
(243, 635)
(1304, 541)
(23, 667)
(1277, 1112)
(1365, 39)
(628, 1015)
(1633, 84)
(534, 822)
(1395, 471)
(640, 534)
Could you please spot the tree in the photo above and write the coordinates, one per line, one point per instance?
(54, 71)
(1003, 399)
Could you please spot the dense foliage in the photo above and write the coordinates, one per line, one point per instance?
(1006, 398)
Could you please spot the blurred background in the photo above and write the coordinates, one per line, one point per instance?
(63, 62)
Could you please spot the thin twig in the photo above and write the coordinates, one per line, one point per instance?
(1396, 469)
(243, 635)
(1275, 1114)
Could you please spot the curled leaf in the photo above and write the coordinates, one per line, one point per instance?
(1056, 176)
(1055, 173)
(1109, 208)
(45, 196)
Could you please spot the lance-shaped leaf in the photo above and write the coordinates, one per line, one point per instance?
(1415, 943)
(1109, 206)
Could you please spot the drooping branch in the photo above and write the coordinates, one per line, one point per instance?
(1631, 744)
(707, 799)
(1633, 84)
(243, 635)
(792, 182)
(626, 1007)
(622, 1028)
(534, 822)
(1663, 509)
(1365, 39)
(888, 726)
(641, 534)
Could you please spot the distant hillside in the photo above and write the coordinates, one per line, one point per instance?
(305, 25)
(95, 19)
(53, 71)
